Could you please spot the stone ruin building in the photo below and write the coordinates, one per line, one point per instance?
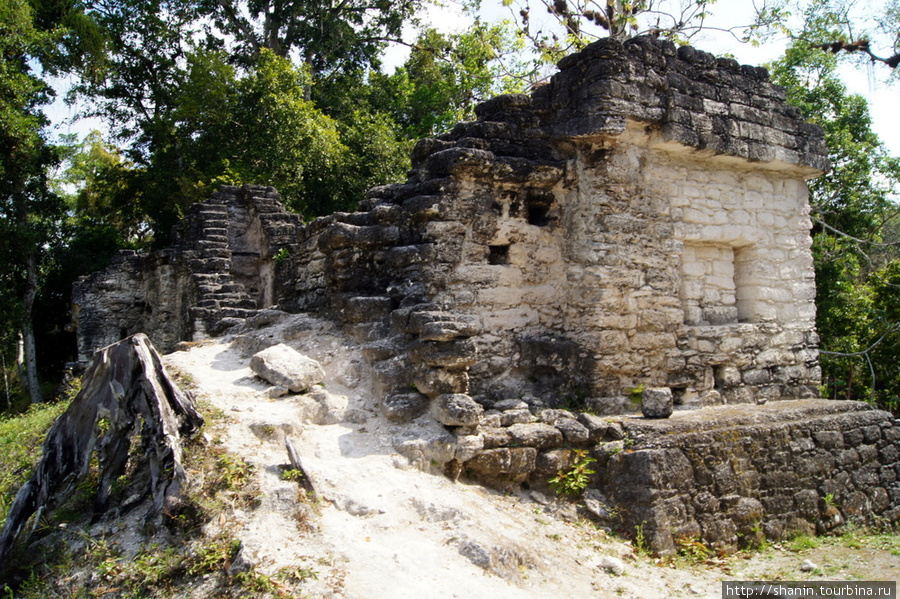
(641, 221)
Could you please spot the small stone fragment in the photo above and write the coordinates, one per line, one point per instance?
(476, 554)
(275, 392)
(538, 497)
(596, 426)
(615, 431)
(597, 509)
(613, 565)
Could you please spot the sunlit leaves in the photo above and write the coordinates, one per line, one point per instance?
(856, 242)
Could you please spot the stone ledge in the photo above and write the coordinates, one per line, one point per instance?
(655, 433)
(732, 476)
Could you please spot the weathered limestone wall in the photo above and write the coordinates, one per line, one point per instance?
(735, 477)
(640, 220)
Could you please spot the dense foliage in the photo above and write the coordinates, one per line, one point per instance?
(856, 219)
(196, 94)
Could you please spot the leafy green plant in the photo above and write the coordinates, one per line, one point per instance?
(234, 471)
(575, 480)
(281, 255)
(293, 475)
(214, 555)
(691, 548)
(640, 541)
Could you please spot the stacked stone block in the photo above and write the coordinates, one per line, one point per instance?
(220, 270)
(736, 476)
(640, 220)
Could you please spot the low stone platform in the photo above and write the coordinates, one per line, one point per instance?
(734, 475)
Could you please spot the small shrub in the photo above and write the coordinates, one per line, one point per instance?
(281, 255)
(293, 475)
(640, 541)
(575, 480)
(692, 549)
(214, 556)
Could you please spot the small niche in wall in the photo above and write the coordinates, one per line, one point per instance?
(498, 254)
(708, 284)
(747, 284)
(537, 206)
(537, 216)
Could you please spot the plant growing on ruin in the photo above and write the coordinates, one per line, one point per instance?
(692, 549)
(640, 541)
(575, 480)
(281, 255)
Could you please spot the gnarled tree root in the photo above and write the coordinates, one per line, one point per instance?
(125, 391)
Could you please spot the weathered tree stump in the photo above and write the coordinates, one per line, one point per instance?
(125, 391)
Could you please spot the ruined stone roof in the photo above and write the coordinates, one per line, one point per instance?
(684, 95)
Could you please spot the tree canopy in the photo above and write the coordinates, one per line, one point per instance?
(855, 211)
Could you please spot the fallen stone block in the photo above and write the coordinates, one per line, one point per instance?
(286, 367)
(657, 402)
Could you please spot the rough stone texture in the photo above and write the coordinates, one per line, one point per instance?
(456, 409)
(535, 434)
(730, 475)
(222, 269)
(404, 407)
(641, 220)
(284, 366)
(503, 467)
(657, 402)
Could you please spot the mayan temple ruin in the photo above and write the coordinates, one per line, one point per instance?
(638, 224)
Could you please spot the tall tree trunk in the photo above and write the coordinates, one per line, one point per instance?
(30, 357)
(20, 355)
(5, 378)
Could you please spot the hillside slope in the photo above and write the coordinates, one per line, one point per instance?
(386, 528)
(379, 524)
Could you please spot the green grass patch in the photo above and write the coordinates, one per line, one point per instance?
(21, 437)
(803, 543)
